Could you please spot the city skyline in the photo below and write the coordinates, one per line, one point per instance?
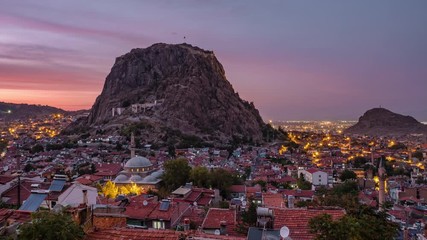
(309, 61)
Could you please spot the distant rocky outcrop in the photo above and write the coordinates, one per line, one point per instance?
(168, 92)
(12, 111)
(383, 122)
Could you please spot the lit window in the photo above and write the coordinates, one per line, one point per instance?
(158, 224)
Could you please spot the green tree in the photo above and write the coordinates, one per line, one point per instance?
(368, 225)
(303, 184)
(176, 173)
(51, 226)
(249, 217)
(222, 180)
(200, 176)
(360, 222)
(347, 174)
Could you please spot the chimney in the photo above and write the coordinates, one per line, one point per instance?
(222, 228)
(186, 224)
(85, 200)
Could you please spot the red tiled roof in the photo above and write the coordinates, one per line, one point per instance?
(4, 214)
(297, 220)
(5, 179)
(312, 170)
(105, 169)
(204, 201)
(132, 234)
(216, 215)
(287, 179)
(237, 188)
(273, 200)
(194, 195)
(254, 189)
(299, 193)
(151, 234)
(88, 179)
(139, 211)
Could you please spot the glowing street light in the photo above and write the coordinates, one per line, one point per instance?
(9, 111)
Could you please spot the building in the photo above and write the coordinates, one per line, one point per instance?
(141, 171)
(315, 176)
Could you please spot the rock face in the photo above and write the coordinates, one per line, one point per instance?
(12, 111)
(382, 122)
(174, 88)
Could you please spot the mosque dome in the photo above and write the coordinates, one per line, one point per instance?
(138, 162)
(135, 178)
(121, 178)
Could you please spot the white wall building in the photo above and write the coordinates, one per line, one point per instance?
(74, 195)
(315, 176)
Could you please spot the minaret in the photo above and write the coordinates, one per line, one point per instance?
(132, 146)
(372, 156)
(381, 176)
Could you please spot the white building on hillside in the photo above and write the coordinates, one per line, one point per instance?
(315, 176)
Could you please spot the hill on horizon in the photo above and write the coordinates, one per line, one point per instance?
(383, 122)
(13, 111)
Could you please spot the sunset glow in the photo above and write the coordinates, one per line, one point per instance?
(294, 60)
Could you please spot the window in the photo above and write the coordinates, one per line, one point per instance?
(158, 224)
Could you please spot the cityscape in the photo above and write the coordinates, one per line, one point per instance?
(175, 132)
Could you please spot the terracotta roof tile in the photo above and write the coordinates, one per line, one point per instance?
(297, 220)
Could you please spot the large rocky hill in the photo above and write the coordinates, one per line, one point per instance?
(12, 111)
(170, 91)
(383, 122)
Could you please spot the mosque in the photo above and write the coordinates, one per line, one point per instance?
(139, 170)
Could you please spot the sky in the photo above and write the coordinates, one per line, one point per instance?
(296, 60)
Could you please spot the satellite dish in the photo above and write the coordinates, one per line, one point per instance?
(145, 203)
(217, 232)
(284, 232)
(195, 204)
(244, 203)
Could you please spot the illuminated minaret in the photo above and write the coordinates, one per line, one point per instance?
(381, 176)
(132, 146)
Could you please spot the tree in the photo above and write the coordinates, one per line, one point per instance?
(347, 174)
(303, 184)
(222, 180)
(360, 222)
(110, 190)
(368, 225)
(176, 174)
(200, 176)
(51, 226)
(249, 217)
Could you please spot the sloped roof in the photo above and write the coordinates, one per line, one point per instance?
(152, 234)
(297, 220)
